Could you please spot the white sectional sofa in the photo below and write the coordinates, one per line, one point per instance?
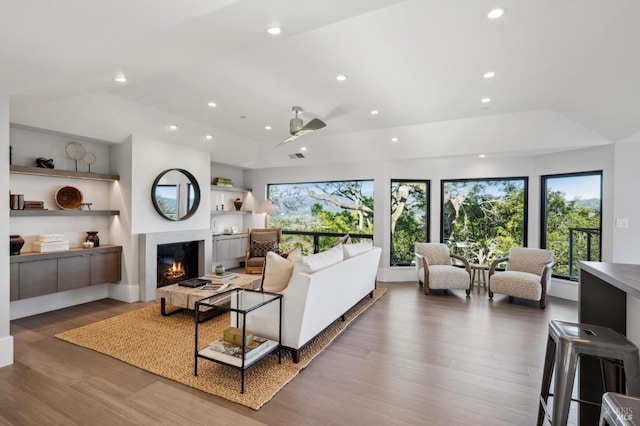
(321, 289)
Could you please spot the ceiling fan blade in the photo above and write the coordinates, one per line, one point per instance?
(314, 124)
(291, 138)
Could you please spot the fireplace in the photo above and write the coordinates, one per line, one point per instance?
(148, 256)
(177, 262)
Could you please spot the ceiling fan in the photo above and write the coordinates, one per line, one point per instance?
(297, 129)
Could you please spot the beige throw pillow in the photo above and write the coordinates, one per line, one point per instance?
(277, 272)
(295, 255)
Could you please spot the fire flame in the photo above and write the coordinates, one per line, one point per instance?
(176, 270)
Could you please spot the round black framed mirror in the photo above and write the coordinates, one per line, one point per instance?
(175, 194)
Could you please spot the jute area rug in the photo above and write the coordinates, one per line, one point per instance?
(165, 345)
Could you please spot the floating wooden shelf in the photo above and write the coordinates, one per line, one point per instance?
(39, 171)
(228, 212)
(229, 188)
(28, 213)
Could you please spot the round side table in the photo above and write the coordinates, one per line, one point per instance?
(478, 275)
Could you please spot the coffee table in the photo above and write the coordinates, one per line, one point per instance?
(186, 297)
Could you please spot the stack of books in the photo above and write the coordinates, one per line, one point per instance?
(34, 205)
(220, 278)
(50, 242)
(249, 351)
(222, 181)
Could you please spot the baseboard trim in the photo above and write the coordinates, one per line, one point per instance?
(6, 351)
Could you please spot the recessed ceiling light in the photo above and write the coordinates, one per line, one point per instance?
(173, 127)
(208, 137)
(274, 30)
(303, 148)
(267, 127)
(489, 74)
(120, 79)
(481, 156)
(495, 13)
(374, 112)
(212, 105)
(394, 140)
(485, 100)
(341, 77)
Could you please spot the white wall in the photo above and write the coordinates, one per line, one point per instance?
(626, 205)
(150, 158)
(121, 160)
(435, 170)
(6, 341)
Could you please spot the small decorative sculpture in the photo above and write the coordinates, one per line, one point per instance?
(237, 203)
(46, 163)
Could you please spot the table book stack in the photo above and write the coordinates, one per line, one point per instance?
(231, 341)
(50, 242)
(221, 278)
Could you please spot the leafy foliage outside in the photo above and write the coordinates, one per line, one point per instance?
(483, 219)
(577, 216)
(335, 207)
(408, 219)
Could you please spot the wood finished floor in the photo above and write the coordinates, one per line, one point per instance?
(442, 359)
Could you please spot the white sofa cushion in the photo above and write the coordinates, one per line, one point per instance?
(315, 262)
(351, 250)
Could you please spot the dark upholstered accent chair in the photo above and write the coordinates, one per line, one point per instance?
(261, 241)
(527, 275)
(436, 271)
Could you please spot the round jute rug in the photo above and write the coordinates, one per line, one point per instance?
(165, 346)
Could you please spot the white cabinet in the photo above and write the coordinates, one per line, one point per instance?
(226, 247)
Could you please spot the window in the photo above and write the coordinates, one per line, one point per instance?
(315, 215)
(483, 218)
(571, 220)
(409, 219)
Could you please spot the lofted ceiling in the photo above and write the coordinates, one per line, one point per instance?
(566, 75)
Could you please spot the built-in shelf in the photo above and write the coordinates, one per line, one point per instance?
(28, 213)
(228, 212)
(229, 188)
(39, 171)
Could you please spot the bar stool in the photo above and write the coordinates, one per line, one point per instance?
(619, 410)
(569, 341)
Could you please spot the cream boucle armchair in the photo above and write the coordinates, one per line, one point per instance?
(527, 274)
(435, 269)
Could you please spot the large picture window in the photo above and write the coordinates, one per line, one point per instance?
(315, 215)
(409, 219)
(483, 218)
(572, 220)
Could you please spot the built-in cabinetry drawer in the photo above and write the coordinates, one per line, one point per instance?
(37, 274)
(229, 246)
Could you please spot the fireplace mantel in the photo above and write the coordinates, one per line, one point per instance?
(148, 249)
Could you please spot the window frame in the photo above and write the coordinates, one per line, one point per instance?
(525, 216)
(427, 214)
(543, 210)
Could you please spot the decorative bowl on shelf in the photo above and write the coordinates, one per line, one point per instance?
(68, 198)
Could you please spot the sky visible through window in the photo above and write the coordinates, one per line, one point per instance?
(580, 187)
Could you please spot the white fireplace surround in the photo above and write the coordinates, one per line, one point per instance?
(148, 247)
